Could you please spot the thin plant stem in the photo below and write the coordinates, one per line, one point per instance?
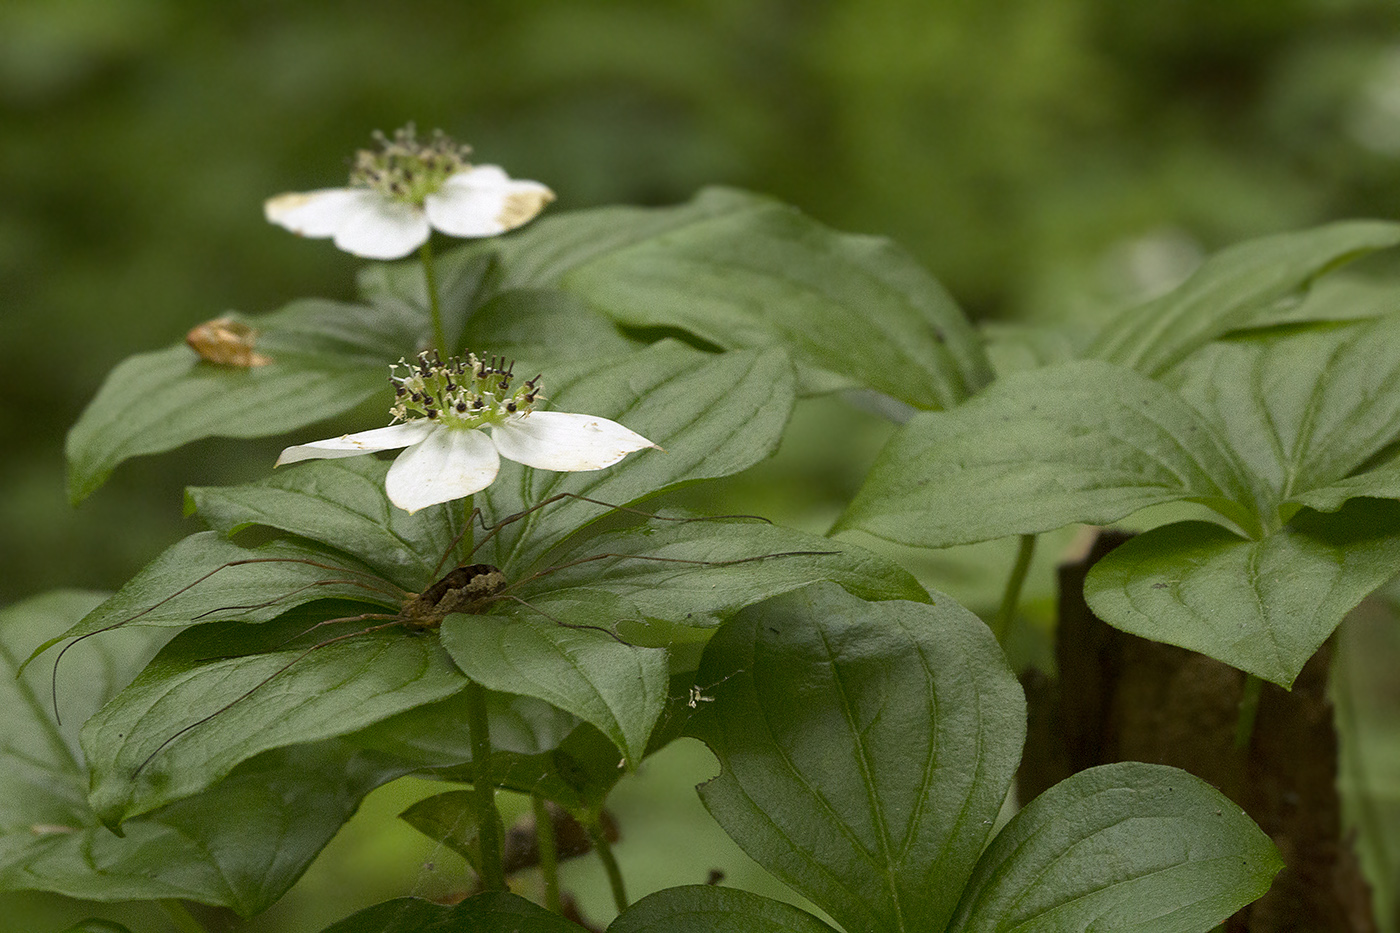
(430, 276)
(601, 845)
(489, 826)
(1249, 708)
(549, 853)
(180, 915)
(1011, 597)
(1348, 725)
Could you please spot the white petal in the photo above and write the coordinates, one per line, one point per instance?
(484, 202)
(558, 440)
(380, 228)
(449, 464)
(365, 442)
(314, 213)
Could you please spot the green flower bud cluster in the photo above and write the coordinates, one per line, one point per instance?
(461, 392)
(406, 169)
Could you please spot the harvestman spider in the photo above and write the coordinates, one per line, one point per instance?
(467, 589)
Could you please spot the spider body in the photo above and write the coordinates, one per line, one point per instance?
(464, 589)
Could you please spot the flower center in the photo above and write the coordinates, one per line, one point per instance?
(406, 169)
(460, 393)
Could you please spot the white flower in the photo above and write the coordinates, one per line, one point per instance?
(399, 194)
(468, 417)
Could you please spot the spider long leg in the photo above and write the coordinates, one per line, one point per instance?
(493, 530)
(668, 560)
(631, 511)
(506, 594)
(53, 685)
(474, 517)
(560, 622)
(256, 687)
(313, 627)
(383, 591)
(496, 528)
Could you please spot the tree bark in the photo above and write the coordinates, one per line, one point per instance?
(1123, 698)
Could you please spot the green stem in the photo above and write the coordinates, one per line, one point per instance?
(489, 827)
(1249, 708)
(430, 274)
(1011, 598)
(1345, 693)
(604, 850)
(549, 853)
(181, 916)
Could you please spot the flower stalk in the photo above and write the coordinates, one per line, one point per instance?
(1011, 596)
(490, 828)
(549, 853)
(1248, 711)
(425, 252)
(594, 827)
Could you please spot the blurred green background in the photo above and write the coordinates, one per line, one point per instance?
(1046, 159)
(1042, 157)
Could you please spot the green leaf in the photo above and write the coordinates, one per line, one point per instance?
(342, 504)
(484, 913)
(536, 748)
(853, 310)
(866, 749)
(543, 329)
(1125, 846)
(450, 819)
(1380, 482)
(691, 573)
(704, 908)
(1079, 442)
(1262, 606)
(287, 804)
(434, 736)
(206, 577)
(713, 415)
(541, 254)
(1013, 347)
(1340, 297)
(1230, 289)
(204, 705)
(700, 571)
(1302, 407)
(618, 688)
(326, 359)
(466, 278)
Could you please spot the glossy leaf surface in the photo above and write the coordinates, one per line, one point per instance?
(866, 749)
(484, 913)
(1263, 606)
(1230, 289)
(712, 416)
(1303, 407)
(241, 844)
(1130, 847)
(751, 272)
(205, 577)
(326, 358)
(203, 706)
(704, 908)
(1080, 442)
